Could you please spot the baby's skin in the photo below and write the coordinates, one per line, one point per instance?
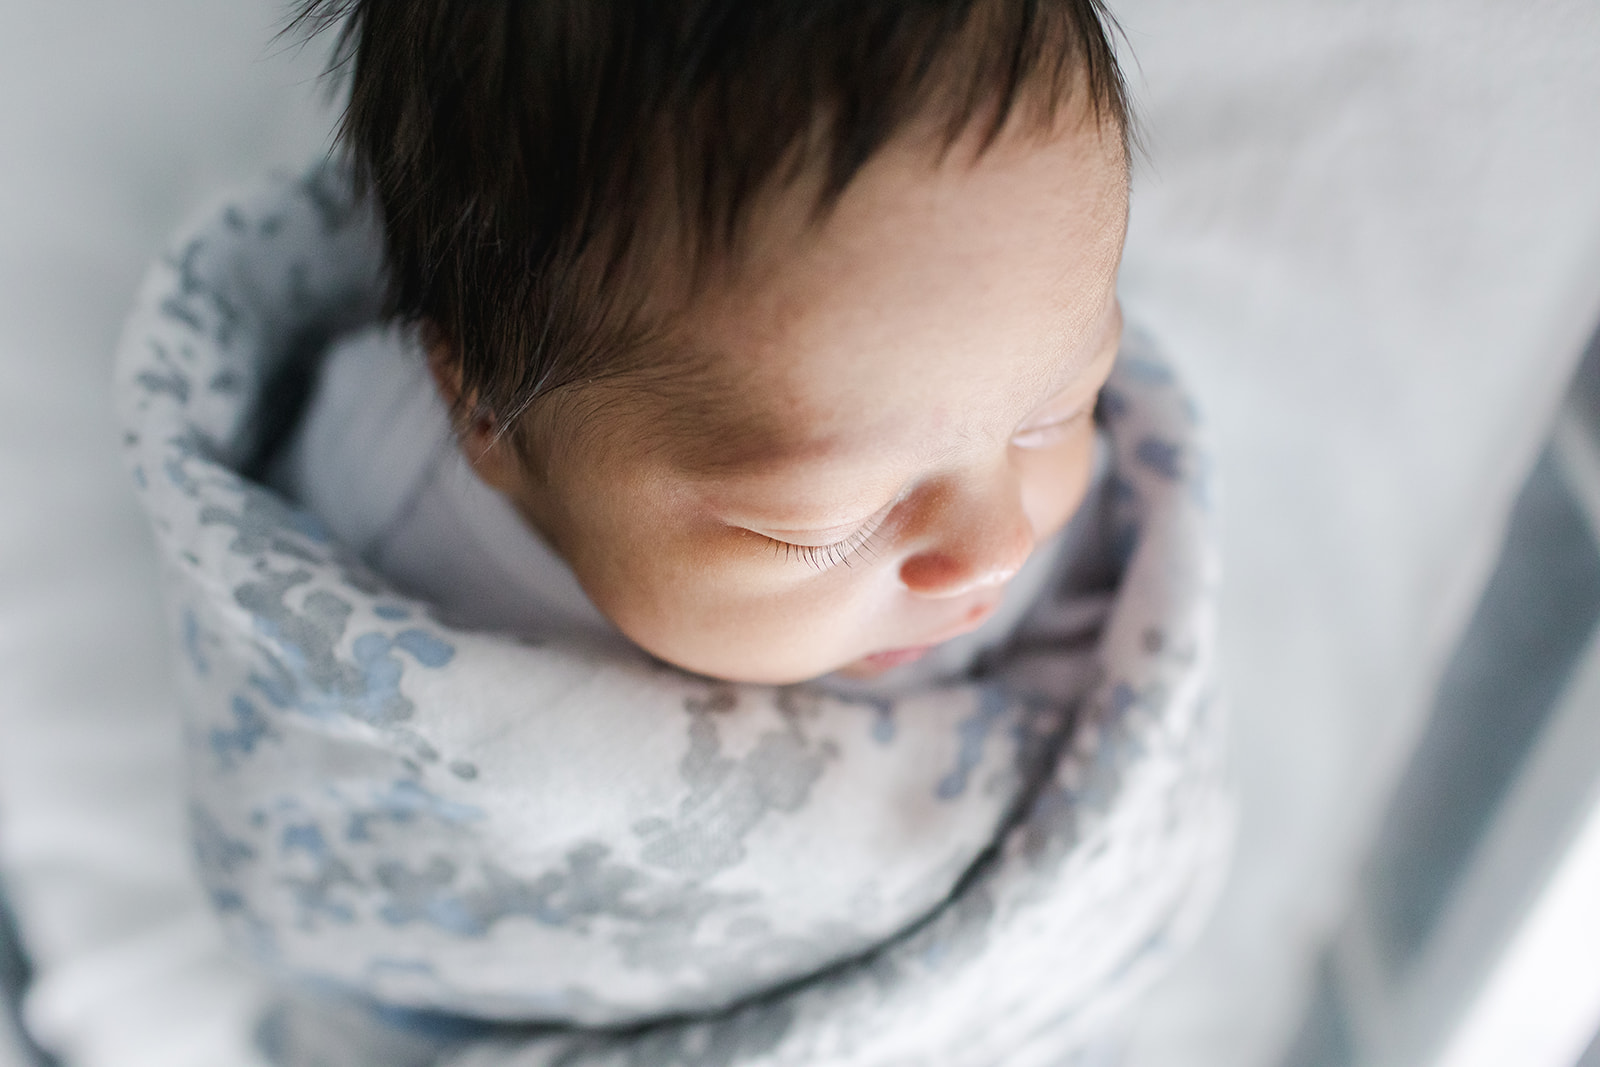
(892, 405)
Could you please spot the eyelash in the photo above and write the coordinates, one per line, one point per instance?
(840, 552)
(860, 543)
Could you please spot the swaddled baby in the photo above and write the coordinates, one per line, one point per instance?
(716, 623)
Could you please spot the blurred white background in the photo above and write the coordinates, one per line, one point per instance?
(1369, 230)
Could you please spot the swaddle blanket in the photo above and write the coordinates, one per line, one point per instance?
(624, 863)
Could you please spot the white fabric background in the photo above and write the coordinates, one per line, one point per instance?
(1372, 231)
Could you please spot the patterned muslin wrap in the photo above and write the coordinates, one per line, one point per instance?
(456, 847)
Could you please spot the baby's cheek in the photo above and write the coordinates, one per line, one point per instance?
(682, 589)
(728, 630)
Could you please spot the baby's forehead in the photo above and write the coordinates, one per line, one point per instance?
(942, 297)
(722, 418)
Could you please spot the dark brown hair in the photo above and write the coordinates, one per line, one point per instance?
(519, 148)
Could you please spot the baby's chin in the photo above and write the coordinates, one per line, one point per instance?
(878, 663)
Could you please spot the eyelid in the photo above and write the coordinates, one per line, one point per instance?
(1038, 434)
(858, 537)
(816, 538)
(824, 556)
(834, 534)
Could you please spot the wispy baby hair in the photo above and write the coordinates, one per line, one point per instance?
(524, 153)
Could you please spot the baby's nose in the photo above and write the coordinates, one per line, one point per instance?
(984, 546)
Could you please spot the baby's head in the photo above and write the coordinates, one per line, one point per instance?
(783, 322)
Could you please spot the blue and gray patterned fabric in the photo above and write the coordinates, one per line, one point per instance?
(605, 861)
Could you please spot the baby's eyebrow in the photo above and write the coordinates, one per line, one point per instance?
(704, 419)
(734, 444)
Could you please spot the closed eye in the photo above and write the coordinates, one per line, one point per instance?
(824, 556)
(1045, 434)
(858, 544)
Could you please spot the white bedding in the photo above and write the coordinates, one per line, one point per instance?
(1372, 229)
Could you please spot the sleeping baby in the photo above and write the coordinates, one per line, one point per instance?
(700, 534)
(791, 368)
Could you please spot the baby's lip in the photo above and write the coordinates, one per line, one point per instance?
(894, 657)
(975, 617)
